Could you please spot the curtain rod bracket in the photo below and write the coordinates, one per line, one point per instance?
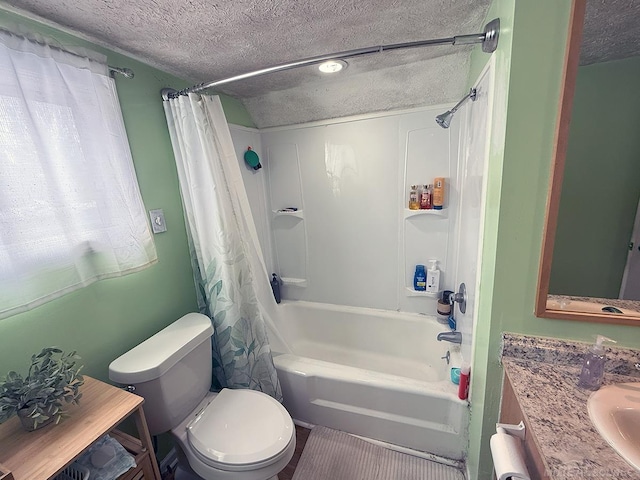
(125, 72)
(491, 34)
(168, 93)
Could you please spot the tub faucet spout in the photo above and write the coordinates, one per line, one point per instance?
(453, 337)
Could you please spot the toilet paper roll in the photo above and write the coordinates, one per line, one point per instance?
(508, 457)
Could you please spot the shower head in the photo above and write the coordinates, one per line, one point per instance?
(444, 119)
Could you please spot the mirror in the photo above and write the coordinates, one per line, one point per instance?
(589, 208)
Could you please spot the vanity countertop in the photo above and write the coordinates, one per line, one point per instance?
(544, 381)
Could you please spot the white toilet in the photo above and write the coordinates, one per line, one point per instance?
(234, 434)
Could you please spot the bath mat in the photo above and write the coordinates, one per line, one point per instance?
(333, 455)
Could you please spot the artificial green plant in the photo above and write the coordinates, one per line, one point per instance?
(53, 379)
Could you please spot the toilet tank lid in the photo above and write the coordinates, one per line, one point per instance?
(159, 353)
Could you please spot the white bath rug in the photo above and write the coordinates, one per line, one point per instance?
(333, 455)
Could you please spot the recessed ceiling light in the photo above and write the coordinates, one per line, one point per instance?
(332, 66)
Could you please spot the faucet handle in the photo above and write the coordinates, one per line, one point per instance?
(461, 298)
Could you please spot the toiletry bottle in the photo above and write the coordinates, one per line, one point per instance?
(438, 193)
(414, 202)
(463, 384)
(275, 287)
(420, 279)
(593, 366)
(433, 277)
(425, 198)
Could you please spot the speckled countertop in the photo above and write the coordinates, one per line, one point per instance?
(544, 374)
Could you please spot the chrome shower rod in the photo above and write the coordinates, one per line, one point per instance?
(488, 38)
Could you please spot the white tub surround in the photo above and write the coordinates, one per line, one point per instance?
(352, 240)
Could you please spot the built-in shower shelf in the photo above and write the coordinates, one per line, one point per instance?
(296, 214)
(294, 282)
(410, 292)
(417, 213)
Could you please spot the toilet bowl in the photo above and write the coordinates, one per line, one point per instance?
(236, 434)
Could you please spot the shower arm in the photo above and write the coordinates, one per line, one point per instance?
(488, 38)
(471, 95)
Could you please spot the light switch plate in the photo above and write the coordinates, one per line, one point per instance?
(158, 224)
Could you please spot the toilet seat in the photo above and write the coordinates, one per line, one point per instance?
(240, 430)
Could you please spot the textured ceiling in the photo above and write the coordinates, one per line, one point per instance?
(611, 31)
(204, 40)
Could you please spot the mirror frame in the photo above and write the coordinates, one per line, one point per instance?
(569, 75)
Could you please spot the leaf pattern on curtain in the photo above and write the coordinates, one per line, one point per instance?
(207, 167)
(241, 354)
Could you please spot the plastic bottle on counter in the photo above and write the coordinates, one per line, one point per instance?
(438, 193)
(420, 279)
(592, 372)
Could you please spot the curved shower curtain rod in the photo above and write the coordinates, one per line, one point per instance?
(488, 38)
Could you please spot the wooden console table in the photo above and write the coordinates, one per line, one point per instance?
(44, 453)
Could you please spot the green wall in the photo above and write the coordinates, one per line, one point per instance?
(601, 181)
(528, 70)
(109, 317)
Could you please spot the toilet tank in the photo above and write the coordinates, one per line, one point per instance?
(171, 370)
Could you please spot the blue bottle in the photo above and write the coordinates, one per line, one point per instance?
(420, 279)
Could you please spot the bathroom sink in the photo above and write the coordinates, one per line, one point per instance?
(615, 412)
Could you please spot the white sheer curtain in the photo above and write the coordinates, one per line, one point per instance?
(231, 280)
(70, 207)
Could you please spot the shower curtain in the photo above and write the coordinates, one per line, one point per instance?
(229, 274)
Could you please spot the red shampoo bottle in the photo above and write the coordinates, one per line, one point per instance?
(463, 386)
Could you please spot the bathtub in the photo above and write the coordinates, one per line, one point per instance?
(374, 373)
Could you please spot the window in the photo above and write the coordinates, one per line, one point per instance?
(70, 208)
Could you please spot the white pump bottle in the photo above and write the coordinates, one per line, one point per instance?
(433, 277)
